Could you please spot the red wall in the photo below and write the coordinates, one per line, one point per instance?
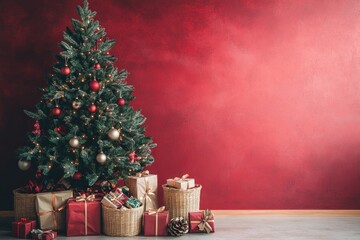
(258, 100)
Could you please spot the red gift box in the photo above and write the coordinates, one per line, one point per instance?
(22, 228)
(202, 222)
(155, 222)
(43, 235)
(83, 216)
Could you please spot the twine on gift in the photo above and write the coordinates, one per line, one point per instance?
(204, 225)
(146, 197)
(142, 174)
(85, 199)
(113, 197)
(54, 210)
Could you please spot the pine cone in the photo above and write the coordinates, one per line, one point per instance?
(178, 227)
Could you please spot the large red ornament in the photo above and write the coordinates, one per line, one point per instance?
(92, 108)
(94, 86)
(65, 70)
(97, 66)
(121, 102)
(56, 111)
(77, 176)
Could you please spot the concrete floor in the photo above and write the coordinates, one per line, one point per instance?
(257, 227)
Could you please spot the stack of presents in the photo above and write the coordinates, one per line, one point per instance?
(127, 210)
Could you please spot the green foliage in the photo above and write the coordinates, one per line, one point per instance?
(83, 46)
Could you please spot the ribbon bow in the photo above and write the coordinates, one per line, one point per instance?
(23, 219)
(184, 177)
(155, 211)
(84, 198)
(143, 173)
(204, 223)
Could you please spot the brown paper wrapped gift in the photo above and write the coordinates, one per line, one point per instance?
(50, 208)
(181, 183)
(143, 186)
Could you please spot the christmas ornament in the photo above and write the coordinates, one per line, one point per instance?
(37, 130)
(76, 104)
(101, 158)
(77, 176)
(56, 111)
(121, 102)
(65, 70)
(94, 85)
(92, 108)
(61, 130)
(114, 134)
(133, 157)
(24, 165)
(97, 66)
(107, 53)
(178, 227)
(74, 142)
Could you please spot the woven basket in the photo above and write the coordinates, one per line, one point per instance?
(181, 202)
(24, 205)
(122, 223)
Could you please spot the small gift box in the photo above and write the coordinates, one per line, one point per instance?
(155, 222)
(23, 227)
(133, 203)
(38, 234)
(143, 186)
(181, 183)
(83, 216)
(110, 200)
(124, 190)
(50, 208)
(120, 195)
(202, 222)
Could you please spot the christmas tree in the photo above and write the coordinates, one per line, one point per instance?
(85, 129)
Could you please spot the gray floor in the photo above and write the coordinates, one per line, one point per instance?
(258, 227)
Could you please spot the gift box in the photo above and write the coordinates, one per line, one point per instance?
(133, 203)
(23, 227)
(120, 195)
(181, 183)
(50, 208)
(143, 186)
(124, 190)
(155, 222)
(110, 200)
(38, 234)
(83, 216)
(202, 222)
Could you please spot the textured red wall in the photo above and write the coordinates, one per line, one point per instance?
(258, 100)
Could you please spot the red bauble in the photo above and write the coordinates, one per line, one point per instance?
(61, 130)
(56, 111)
(65, 70)
(94, 86)
(97, 66)
(77, 176)
(92, 108)
(121, 102)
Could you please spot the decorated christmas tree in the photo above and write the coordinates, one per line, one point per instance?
(86, 131)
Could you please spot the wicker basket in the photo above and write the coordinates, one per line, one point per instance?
(24, 205)
(122, 223)
(181, 202)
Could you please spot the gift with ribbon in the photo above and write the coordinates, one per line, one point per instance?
(83, 216)
(181, 183)
(155, 222)
(39, 234)
(202, 222)
(143, 186)
(50, 207)
(133, 203)
(23, 227)
(111, 200)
